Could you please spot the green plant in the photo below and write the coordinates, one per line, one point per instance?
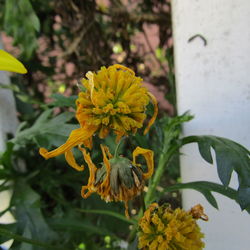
(46, 202)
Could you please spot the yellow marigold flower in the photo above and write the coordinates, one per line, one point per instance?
(114, 99)
(118, 179)
(10, 63)
(162, 228)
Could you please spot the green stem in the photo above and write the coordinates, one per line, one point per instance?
(140, 214)
(20, 238)
(163, 161)
(117, 149)
(156, 179)
(143, 205)
(4, 211)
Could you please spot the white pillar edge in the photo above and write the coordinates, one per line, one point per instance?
(213, 83)
(8, 124)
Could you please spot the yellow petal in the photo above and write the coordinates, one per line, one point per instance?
(105, 183)
(84, 194)
(90, 77)
(10, 63)
(91, 165)
(72, 162)
(149, 157)
(152, 120)
(154, 245)
(104, 131)
(119, 66)
(92, 174)
(77, 137)
(143, 241)
(88, 143)
(119, 135)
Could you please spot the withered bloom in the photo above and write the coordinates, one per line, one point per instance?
(119, 179)
(112, 99)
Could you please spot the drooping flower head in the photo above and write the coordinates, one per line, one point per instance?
(119, 179)
(162, 228)
(113, 99)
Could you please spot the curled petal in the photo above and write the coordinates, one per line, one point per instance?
(110, 156)
(152, 120)
(84, 194)
(90, 76)
(105, 185)
(119, 66)
(92, 173)
(77, 136)
(72, 162)
(149, 157)
(91, 165)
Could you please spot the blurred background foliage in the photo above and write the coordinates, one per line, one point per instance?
(59, 41)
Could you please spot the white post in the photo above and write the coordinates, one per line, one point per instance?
(8, 124)
(213, 82)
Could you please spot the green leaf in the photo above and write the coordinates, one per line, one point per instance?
(230, 156)
(5, 157)
(7, 234)
(9, 227)
(206, 188)
(3, 188)
(244, 198)
(12, 87)
(63, 101)
(22, 95)
(108, 212)
(204, 148)
(168, 133)
(172, 130)
(18, 12)
(77, 226)
(27, 212)
(46, 131)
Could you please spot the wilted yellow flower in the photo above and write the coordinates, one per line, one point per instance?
(10, 63)
(162, 228)
(118, 179)
(197, 212)
(113, 99)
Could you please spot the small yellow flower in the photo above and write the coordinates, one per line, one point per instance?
(114, 99)
(162, 228)
(10, 63)
(118, 179)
